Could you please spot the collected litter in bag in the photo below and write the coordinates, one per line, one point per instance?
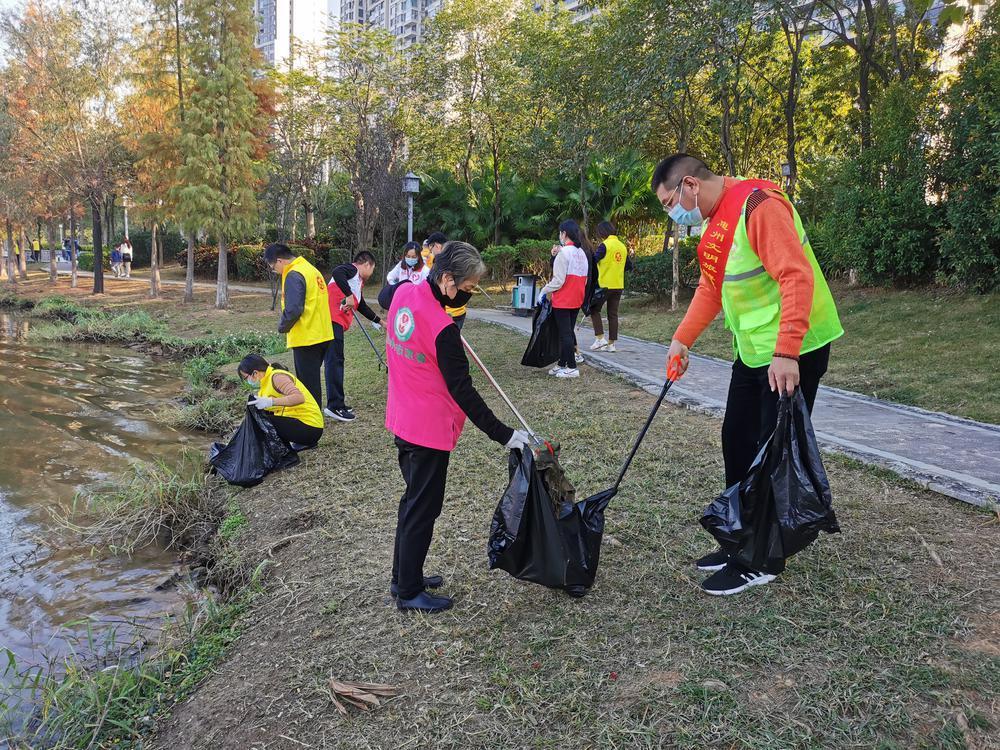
(540, 532)
(253, 452)
(543, 346)
(784, 501)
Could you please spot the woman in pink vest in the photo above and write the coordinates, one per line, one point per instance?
(425, 355)
(567, 290)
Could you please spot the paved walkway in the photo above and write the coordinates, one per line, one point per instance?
(956, 457)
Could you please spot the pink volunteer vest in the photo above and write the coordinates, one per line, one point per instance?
(419, 409)
(570, 295)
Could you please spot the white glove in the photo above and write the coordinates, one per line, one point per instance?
(519, 440)
(263, 402)
(376, 327)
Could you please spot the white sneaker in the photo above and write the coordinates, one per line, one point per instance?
(555, 370)
(567, 372)
(610, 347)
(579, 358)
(598, 344)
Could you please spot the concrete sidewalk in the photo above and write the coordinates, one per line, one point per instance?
(954, 456)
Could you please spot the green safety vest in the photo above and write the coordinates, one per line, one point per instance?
(751, 301)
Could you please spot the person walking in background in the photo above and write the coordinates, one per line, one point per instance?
(430, 395)
(285, 401)
(305, 314)
(126, 250)
(411, 266)
(432, 246)
(567, 290)
(611, 257)
(36, 250)
(116, 261)
(346, 295)
(758, 268)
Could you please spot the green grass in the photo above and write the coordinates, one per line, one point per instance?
(924, 347)
(863, 642)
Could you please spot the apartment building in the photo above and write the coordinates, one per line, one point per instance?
(279, 21)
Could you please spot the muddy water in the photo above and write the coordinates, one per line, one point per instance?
(72, 415)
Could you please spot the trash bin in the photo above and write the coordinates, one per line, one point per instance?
(523, 296)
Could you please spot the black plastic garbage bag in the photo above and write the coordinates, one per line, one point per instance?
(543, 346)
(540, 533)
(253, 452)
(597, 299)
(784, 501)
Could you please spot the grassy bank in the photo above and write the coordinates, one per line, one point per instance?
(866, 641)
(883, 636)
(924, 347)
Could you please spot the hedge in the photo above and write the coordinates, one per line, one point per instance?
(654, 275)
(244, 262)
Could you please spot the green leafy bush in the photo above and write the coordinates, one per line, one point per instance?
(654, 275)
(501, 263)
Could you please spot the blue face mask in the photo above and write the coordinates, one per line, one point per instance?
(683, 216)
(411, 262)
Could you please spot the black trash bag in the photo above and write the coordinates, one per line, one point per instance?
(784, 501)
(540, 533)
(543, 346)
(253, 452)
(597, 299)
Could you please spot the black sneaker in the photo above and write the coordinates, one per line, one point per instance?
(733, 579)
(712, 561)
(341, 415)
(430, 582)
(424, 602)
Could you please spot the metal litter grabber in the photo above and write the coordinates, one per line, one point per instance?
(510, 404)
(381, 362)
(600, 500)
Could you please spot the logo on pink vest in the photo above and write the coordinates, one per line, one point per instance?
(404, 325)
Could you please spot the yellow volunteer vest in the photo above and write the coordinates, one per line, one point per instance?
(307, 412)
(428, 257)
(314, 326)
(611, 268)
(454, 312)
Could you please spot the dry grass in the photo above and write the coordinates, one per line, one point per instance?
(865, 641)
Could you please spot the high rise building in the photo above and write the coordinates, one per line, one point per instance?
(582, 9)
(353, 11)
(404, 19)
(279, 21)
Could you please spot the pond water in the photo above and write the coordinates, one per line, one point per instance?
(72, 415)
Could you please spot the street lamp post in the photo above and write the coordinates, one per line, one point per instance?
(411, 186)
(786, 172)
(126, 202)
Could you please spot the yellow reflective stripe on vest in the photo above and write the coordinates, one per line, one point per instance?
(307, 412)
(313, 326)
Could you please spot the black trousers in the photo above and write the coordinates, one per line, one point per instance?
(752, 409)
(425, 471)
(566, 322)
(294, 430)
(614, 298)
(333, 370)
(308, 361)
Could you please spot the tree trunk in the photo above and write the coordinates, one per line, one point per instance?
(189, 275)
(222, 282)
(675, 282)
(497, 206)
(295, 222)
(95, 213)
(6, 260)
(73, 278)
(53, 239)
(865, 103)
(22, 259)
(583, 199)
(310, 211)
(154, 263)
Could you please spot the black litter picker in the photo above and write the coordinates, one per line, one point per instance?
(540, 531)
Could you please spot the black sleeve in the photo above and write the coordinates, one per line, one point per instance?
(600, 252)
(295, 301)
(368, 312)
(455, 369)
(342, 276)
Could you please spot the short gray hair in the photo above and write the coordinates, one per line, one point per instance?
(460, 259)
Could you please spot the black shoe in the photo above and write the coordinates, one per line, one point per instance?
(299, 447)
(424, 602)
(341, 415)
(712, 561)
(733, 579)
(430, 582)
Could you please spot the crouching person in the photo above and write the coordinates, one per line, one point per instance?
(430, 395)
(285, 401)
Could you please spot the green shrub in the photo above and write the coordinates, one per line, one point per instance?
(85, 260)
(535, 256)
(60, 308)
(244, 262)
(250, 264)
(653, 274)
(502, 262)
